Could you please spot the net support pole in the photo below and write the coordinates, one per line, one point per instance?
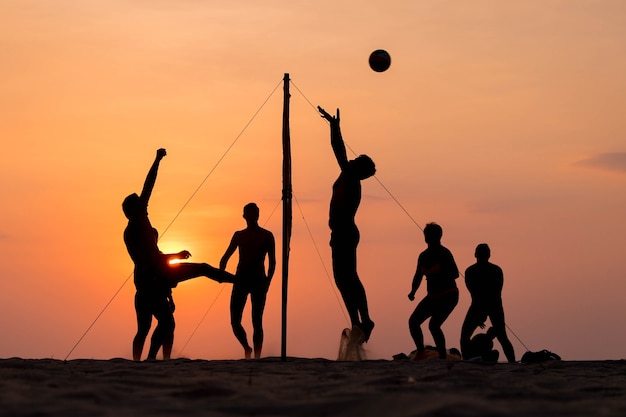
(287, 214)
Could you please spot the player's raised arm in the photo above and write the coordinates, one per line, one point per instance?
(148, 185)
(336, 140)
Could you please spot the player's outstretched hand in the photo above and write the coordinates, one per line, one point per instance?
(332, 119)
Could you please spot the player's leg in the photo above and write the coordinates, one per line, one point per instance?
(474, 318)
(258, 299)
(184, 271)
(163, 335)
(344, 273)
(499, 326)
(366, 324)
(442, 308)
(143, 312)
(422, 312)
(237, 303)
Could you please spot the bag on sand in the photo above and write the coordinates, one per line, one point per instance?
(541, 356)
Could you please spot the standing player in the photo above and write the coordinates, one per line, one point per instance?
(439, 267)
(254, 244)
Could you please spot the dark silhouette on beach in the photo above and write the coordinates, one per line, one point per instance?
(439, 267)
(164, 332)
(480, 347)
(484, 282)
(154, 276)
(344, 237)
(255, 244)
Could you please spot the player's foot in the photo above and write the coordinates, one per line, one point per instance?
(248, 352)
(355, 335)
(367, 328)
(417, 355)
(219, 275)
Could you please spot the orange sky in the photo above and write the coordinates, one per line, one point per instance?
(503, 122)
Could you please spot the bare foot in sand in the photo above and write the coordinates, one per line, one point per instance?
(367, 328)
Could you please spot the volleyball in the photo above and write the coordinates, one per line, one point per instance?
(380, 60)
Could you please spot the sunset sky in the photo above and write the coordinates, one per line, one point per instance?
(501, 121)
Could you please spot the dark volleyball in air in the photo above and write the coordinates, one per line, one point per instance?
(380, 60)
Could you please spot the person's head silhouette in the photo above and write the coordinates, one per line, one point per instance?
(130, 204)
(364, 166)
(433, 233)
(482, 252)
(251, 213)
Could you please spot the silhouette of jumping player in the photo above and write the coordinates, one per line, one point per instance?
(439, 267)
(344, 236)
(153, 275)
(254, 244)
(484, 282)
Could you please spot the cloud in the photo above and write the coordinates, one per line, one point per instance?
(610, 161)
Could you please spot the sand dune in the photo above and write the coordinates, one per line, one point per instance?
(310, 387)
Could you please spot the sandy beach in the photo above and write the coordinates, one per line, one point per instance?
(310, 387)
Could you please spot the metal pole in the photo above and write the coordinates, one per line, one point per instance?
(287, 213)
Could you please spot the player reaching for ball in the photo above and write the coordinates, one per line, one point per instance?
(344, 236)
(153, 274)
